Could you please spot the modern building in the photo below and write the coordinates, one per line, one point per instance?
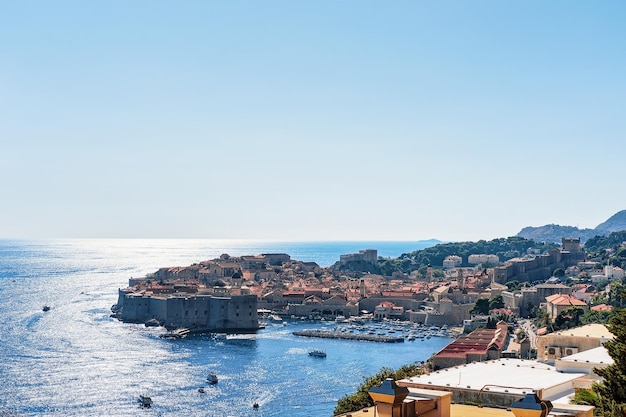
(499, 383)
(483, 258)
(452, 261)
(553, 346)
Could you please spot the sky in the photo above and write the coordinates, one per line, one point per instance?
(320, 120)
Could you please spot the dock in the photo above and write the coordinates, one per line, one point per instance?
(327, 334)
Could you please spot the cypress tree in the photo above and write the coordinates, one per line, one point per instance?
(612, 389)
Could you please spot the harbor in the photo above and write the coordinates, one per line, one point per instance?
(384, 331)
(327, 334)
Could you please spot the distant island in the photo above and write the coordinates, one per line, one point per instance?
(554, 232)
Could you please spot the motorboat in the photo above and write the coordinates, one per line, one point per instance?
(317, 353)
(145, 401)
(212, 378)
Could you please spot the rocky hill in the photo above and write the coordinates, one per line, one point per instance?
(615, 223)
(554, 232)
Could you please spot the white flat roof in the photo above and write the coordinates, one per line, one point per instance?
(596, 355)
(510, 375)
(589, 330)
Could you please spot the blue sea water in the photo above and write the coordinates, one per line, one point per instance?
(75, 360)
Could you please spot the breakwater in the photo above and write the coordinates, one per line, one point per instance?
(327, 334)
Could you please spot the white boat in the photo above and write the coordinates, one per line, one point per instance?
(144, 401)
(318, 353)
(275, 317)
(212, 378)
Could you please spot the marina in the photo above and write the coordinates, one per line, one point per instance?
(378, 331)
(327, 334)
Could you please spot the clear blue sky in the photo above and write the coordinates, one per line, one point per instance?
(319, 120)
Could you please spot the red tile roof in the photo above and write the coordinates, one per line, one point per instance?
(565, 300)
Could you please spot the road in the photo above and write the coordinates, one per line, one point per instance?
(531, 333)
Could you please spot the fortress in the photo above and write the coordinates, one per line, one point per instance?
(199, 313)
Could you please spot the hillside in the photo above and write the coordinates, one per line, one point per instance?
(554, 232)
(615, 223)
(504, 248)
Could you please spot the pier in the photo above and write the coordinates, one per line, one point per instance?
(327, 334)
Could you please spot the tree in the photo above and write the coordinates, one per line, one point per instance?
(568, 318)
(361, 398)
(496, 302)
(481, 307)
(559, 272)
(612, 390)
(586, 397)
(514, 285)
(617, 295)
(594, 316)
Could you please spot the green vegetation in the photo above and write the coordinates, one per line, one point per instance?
(515, 285)
(611, 391)
(568, 318)
(608, 249)
(505, 248)
(484, 305)
(586, 397)
(361, 398)
(592, 316)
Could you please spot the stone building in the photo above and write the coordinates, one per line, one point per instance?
(204, 313)
(556, 303)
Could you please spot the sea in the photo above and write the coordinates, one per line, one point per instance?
(76, 360)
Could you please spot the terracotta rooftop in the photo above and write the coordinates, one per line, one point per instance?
(565, 300)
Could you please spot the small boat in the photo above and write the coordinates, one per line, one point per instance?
(255, 405)
(318, 353)
(152, 323)
(275, 317)
(145, 401)
(176, 334)
(212, 378)
(46, 308)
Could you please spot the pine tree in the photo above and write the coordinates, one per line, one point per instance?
(612, 389)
